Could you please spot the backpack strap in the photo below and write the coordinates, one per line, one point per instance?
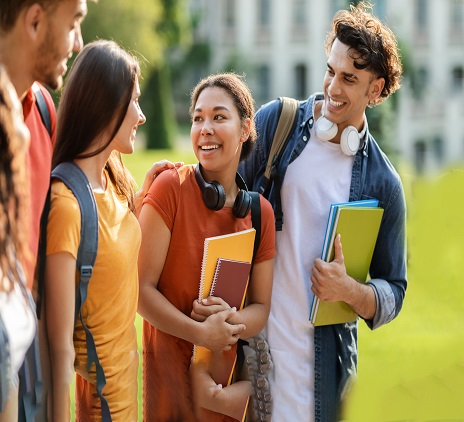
(75, 179)
(288, 112)
(43, 108)
(286, 124)
(255, 221)
(256, 224)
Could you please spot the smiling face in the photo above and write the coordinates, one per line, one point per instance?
(347, 90)
(125, 137)
(217, 132)
(62, 37)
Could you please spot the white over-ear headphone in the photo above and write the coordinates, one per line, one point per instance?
(350, 139)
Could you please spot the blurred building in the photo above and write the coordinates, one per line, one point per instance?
(279, 45)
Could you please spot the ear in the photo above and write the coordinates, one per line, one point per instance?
(376, 88)
(34, 21)
(246, 127)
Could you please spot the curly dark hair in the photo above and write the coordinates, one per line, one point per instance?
(372, 44)
(238, 90)
(13, 190)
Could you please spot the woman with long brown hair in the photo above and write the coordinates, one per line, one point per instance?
(98, 119)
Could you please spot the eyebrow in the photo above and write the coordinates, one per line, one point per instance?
(217, 108)
(346, 74)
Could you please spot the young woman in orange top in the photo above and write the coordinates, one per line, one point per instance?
(175, 221)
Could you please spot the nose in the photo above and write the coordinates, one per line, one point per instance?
(78, 41)
(334, 87)
(142, 118)
(206, 129)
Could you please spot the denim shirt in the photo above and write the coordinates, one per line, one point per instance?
(373, 176)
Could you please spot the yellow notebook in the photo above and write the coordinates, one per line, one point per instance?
(234, 246)
(359, 228)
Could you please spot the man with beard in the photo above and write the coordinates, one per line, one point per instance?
(37, 37)
(36, 40)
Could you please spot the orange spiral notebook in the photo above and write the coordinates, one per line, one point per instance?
(224, 273)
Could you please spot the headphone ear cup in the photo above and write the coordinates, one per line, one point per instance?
(349, 140)
(325, 129)
(242, 204)
(214, 195)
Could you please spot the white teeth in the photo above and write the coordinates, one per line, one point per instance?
(208, 147)
(335, 103)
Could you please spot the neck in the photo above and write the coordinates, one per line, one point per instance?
(93, 167)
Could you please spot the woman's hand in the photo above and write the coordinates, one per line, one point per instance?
(207, 307)
(218, 334)
(230, 400)
(154, 171)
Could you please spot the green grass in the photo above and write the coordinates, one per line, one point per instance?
(413, 368)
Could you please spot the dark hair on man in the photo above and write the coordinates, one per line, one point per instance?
(234, 85)
(13, 187)
(10, 10)
(373, 46)
(92, 108)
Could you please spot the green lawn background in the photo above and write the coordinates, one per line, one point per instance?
(413, 368)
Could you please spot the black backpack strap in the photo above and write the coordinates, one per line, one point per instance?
(256, 224)
(256, 220)
(43, 108)
(42, 254)
(75, 179)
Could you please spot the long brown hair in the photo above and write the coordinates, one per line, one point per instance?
(95, 98)
(13, 191)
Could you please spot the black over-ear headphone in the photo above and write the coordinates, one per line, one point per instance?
(214, 195)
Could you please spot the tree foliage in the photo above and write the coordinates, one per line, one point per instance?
(150, 29)
(130, 24)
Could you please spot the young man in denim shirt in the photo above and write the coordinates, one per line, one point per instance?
(314, 366)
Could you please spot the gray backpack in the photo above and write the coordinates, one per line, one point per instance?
(75, 179)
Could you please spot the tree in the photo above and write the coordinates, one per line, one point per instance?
(130, 24)
(148, 29)
(173, 30)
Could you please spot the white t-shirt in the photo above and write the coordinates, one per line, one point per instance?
(20, 324)
(320, 176)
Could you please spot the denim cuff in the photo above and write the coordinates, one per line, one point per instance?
(385, 303)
